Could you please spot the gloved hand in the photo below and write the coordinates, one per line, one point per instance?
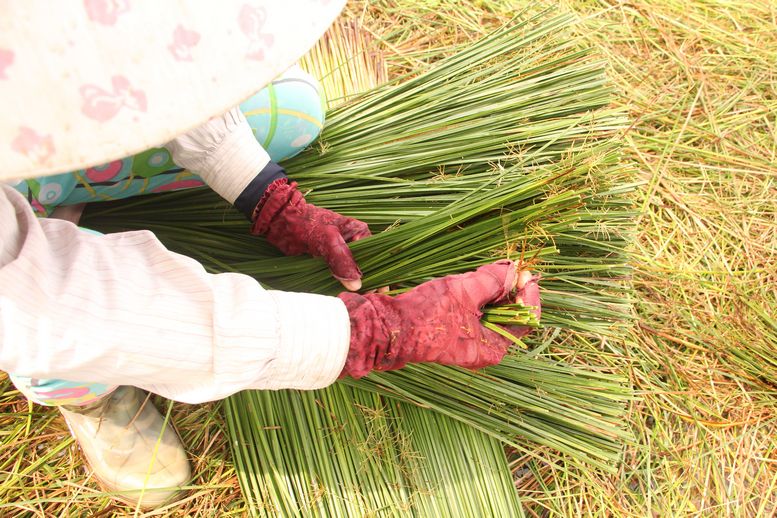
(296, 227)
(438, 321)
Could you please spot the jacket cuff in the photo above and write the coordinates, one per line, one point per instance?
(315, 335)
(223, 152)
(251, 196)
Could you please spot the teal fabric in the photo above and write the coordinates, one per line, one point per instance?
(53, 392)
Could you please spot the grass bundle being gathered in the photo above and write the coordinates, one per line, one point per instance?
(504, 149)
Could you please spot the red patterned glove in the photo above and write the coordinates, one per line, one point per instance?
(296, 227)
(438, 321)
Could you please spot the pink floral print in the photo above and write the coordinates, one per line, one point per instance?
(37, 147)
(102, 105)
(106, 12)
(6, 60)
(183, 41)
(251, 21)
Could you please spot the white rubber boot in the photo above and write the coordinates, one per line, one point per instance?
(122, 444)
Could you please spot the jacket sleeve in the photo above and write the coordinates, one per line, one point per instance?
(223, 152)
(122, 309)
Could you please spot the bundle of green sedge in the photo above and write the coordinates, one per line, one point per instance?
(504, 149)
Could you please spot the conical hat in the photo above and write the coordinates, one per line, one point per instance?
(83, 83)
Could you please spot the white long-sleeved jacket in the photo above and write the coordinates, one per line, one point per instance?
(122, 309)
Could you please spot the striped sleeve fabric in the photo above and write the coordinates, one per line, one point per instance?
(223, 152)
(122, 309)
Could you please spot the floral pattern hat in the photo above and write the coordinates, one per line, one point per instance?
(86, 82)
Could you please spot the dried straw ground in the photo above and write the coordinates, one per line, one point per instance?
(699, 79)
